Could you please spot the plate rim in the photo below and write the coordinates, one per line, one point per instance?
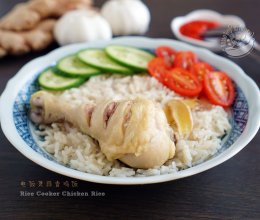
(10, 93)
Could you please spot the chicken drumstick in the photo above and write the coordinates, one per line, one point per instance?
(134, 131)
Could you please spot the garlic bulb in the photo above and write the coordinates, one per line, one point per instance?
(126, 16)
(81, 26)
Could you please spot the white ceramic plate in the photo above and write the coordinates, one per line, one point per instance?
(15, 103)
(204, 14)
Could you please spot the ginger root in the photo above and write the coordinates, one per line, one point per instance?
(29, 26)
(2, 52)
(15, 43)
(20, 18)
(26, 16)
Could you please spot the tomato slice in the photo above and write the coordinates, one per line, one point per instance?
(167, 53)
(183, 82)
(200, 69)
(158, 68)
(219, 88)
(164, 51)
(185, 59)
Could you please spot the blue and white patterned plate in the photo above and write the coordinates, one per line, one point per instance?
(245, 116)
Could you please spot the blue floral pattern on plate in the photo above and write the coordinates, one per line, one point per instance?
(21, 119)
(239, 117)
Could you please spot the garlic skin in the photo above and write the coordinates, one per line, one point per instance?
(126, 16)
(81, 26)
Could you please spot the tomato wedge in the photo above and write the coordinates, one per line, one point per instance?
(158, 68)
(200, 69)
(219, 88)
(185, 59)
(182, 82)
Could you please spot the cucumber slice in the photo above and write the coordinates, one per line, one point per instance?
(71, 66)
(99, 59)
(51, 81)
(129, 56)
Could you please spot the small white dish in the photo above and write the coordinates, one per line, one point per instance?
(15, 123)
(204, 14)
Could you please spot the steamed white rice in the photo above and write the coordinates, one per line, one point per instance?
(72, 148)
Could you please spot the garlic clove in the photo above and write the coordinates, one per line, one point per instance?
(179, 117)
(192, 103)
